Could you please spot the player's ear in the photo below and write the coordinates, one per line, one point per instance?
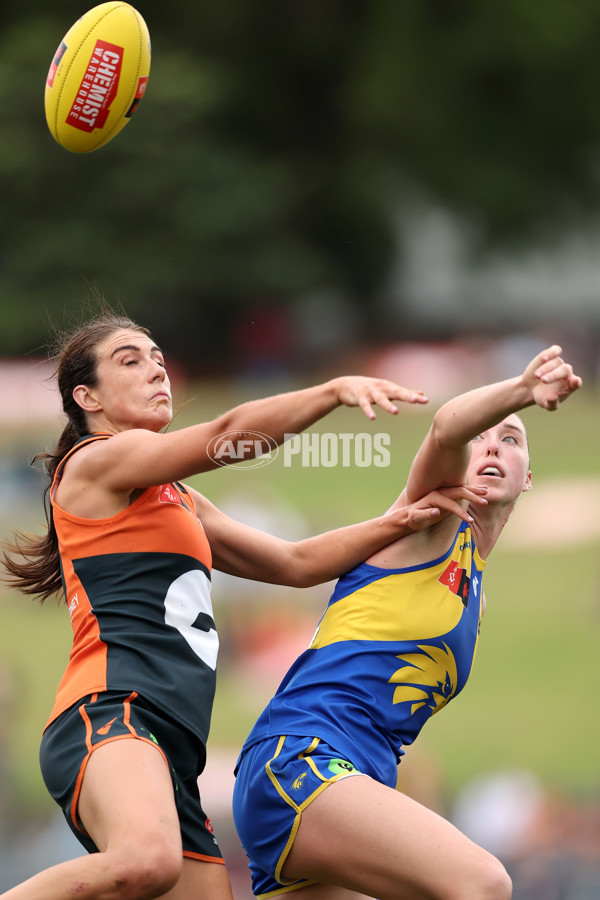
(527, 484)
(84, 397)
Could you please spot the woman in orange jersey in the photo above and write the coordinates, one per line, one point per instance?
(132, 549)
(314, 802)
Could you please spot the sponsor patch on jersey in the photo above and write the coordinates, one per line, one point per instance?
(168, 494)
(457, 580)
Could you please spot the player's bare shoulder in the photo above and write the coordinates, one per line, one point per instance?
(83, 491)
(417, 548)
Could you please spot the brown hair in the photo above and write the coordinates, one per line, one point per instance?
(33, 562)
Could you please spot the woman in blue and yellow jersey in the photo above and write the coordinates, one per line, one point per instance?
(314, 800)
(131, 550)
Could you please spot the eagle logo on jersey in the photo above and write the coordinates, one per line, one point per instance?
(427, 678)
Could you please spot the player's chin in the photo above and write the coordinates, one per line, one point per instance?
(503, 495)
(160, 418)
(495, 491)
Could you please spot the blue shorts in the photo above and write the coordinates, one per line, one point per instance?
(98, 719)
(276, 779)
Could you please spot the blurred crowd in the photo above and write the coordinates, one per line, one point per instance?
(549, 842)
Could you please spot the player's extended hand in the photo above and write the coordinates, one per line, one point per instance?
(436, 505)
(550, 379)
(360, 390)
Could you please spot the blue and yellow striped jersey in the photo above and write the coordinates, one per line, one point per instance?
(392, 647)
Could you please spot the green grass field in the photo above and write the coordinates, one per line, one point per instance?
(530, 700)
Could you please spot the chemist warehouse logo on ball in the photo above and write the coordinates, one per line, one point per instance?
(98, 88)
(308, 450)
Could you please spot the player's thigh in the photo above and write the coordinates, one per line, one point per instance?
(127, 796)
(369, 838)
(324, 892)
(201, 881)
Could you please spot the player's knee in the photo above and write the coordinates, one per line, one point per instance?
(494, 882)
(502, 883)
(147, 873)
(485, 879)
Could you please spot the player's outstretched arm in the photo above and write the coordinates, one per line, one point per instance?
(292, 412)
(243, 551)
(444, 455)
(138, 458)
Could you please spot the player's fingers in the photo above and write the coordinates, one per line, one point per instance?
(423, 517)
(417, 397)
(366, 392)
(559, 372)
(548, 354)
(385, 397)
(390, 391)
(574, 382)
(544, 360)
(445, 501)
(570, 383)
(384, 400)
(471, 492)
(366, 407)
(448, 505)
(547, 368)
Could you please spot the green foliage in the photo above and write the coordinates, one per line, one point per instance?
(276, 147)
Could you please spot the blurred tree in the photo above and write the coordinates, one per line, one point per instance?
(277, 145)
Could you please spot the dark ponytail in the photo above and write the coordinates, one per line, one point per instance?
(32, 562)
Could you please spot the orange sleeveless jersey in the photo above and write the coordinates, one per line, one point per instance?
(137, 587)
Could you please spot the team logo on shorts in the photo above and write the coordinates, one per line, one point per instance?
(342, 767)
(106, 728)
(297, 783)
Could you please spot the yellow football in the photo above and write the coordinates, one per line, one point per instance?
(97, 77)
